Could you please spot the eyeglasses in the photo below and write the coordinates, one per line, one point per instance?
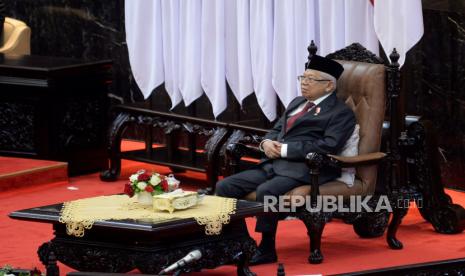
(309, 80)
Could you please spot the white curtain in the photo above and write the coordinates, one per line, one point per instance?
(212, 53)
(359, 25)
(398, 24)
(189, 49)
(170, 39)
(332, 29)
(261, 44)
(237, 44)
(294, 27)
(144, 37)
(257, 46)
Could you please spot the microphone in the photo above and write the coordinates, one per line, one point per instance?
(189, 258)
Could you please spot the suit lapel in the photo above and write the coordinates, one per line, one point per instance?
(323, 107)
(294, 104)
(328, 103)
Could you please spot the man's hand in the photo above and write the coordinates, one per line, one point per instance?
(272, 149)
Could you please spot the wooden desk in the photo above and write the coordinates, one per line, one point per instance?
(120, 246)
(56, 109)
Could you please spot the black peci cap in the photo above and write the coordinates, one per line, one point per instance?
(326, 65)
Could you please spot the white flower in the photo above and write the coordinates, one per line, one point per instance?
(155, 179)
(133, 178)
(141, 185)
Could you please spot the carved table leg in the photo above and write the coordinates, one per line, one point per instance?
(114, 147)
(48, 259)
(243, 265)
(248, 249)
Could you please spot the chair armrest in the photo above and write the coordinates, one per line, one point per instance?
(353, 161)
(234, 152)
(238, 150)
(316, 161)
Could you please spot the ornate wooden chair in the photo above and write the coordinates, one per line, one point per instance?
(363, 87)
(16, 37)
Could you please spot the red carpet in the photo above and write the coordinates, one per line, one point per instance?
(344, 251)
(21, 172)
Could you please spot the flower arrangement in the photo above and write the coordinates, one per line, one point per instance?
(152, 183)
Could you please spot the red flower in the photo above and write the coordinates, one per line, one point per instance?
(165, 186)
(128, 190)
(144, 177)
(149, 189)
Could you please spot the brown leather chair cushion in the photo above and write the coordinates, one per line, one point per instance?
(363, 87)
(329, 188)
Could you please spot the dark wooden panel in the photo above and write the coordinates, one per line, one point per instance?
(56, 109)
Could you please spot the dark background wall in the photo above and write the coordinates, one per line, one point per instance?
(433, 76)
(434, 82)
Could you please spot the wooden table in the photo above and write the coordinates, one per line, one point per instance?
(121, 246)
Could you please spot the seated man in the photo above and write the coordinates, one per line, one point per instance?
(315, 122)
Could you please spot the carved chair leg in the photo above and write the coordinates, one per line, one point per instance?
(212, 151)
(397, 216)
(316, 256)
(315, 223)
(114, 147)
(212, 178)
(371, 224)
(438, 209)
(113, 172)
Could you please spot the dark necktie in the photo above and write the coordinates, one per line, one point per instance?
(293, 118)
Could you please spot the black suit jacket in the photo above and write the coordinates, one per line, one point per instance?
(325, 132)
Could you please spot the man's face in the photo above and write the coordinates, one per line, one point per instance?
(314, 86)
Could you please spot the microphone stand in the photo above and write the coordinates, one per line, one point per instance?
(177, 272)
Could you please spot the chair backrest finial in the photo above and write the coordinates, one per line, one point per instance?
(312, 49)
(394, 56)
